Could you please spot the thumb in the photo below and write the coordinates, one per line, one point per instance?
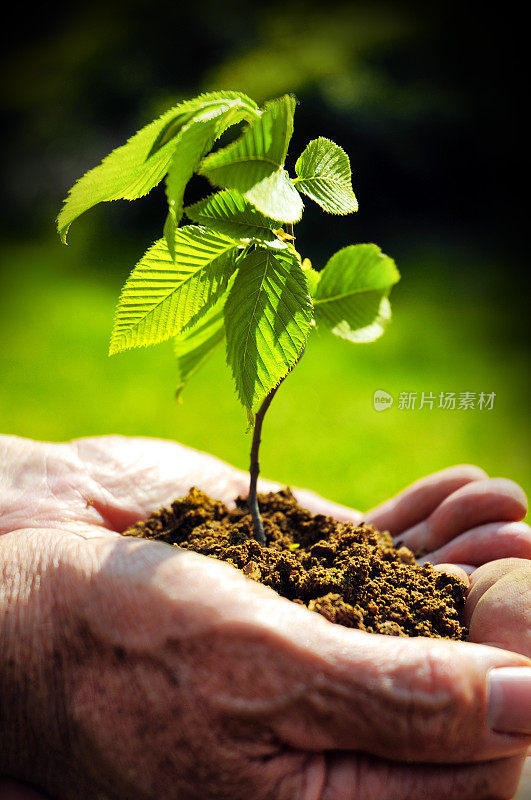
(319, 686)
(418, 700)
(265, 665)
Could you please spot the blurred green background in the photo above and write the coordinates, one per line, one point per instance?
(426, 104)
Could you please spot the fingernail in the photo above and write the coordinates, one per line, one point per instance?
(509, 699)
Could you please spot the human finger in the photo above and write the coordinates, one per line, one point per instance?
(500, 611)
(477, 503)
(365, 777)
(418, 501)
(486, 576)
(182, 643)
(460, 571)
(323, 686)
(431, 708)
(485, 543)
(327, 687)
(317, 686)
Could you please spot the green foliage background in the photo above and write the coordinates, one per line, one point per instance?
(459, 311)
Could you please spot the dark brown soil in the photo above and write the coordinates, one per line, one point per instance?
(350, 574)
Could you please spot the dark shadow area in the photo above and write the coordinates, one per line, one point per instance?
(426, 101)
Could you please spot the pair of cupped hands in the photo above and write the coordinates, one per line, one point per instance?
(131, 669)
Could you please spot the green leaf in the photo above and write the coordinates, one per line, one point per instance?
(230, 213)
(169, 231)
(193, 141)
(196, 344)
(276, 196)
(242, 107)
(259, 152)
(351, 296)
(133, 169)
(312, 276)
(267, 319)
(163, 296)
(323, 173)
(170, 130)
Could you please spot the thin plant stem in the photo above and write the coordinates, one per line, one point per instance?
(254, 469)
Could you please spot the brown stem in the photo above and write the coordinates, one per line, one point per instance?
(254, 469)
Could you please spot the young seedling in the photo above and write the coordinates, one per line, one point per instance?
(234, 273)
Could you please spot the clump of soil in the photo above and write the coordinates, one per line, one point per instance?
(351, 574)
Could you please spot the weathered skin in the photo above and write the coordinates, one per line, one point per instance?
(132, 669)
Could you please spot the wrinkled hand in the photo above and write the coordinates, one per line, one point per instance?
(132, 669)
